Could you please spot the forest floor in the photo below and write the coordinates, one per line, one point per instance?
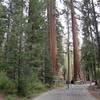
(1, 97)
(95, 91)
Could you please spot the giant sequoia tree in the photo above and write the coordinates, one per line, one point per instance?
(52, 34)
(75, 43)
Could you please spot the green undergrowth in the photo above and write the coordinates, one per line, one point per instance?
(14, 97)
(29, 88)
(79, 83)
(60, 84)
(9, 87)
(39, 88)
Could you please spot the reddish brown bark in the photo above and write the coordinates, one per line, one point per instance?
(52, 35)
(75, 44)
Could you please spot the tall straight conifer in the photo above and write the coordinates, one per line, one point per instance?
(51, 9)
(75, 43)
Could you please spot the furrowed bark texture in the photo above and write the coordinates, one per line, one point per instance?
(75, 44)
(52, 35)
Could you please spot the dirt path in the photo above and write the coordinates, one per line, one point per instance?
(75, 92)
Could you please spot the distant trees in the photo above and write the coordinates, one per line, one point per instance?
(90, 47)
(91, 38)
(74, 29)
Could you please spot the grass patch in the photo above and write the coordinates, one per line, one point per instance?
(14, 97)
(39, 91)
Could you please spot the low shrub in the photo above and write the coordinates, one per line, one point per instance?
(10, 87)
(3, 80)
(39, 86)
(10, 97)
(98, 78)
(7, 85)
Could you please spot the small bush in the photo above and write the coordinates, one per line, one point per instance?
(32, 84)
(10, 87)
(98, 77)
(9, 97)
(14, 97)
(6, 84)
(39, 86)
(3, 80)
(24, 99)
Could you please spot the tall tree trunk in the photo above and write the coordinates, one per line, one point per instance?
(94, 57)
(68, 42)
(75, 44)
(20, 51)
(52, 35)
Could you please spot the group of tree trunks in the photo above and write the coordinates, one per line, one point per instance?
(52, 39)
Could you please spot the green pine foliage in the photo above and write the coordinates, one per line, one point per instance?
(25, 66)
(89, 54)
